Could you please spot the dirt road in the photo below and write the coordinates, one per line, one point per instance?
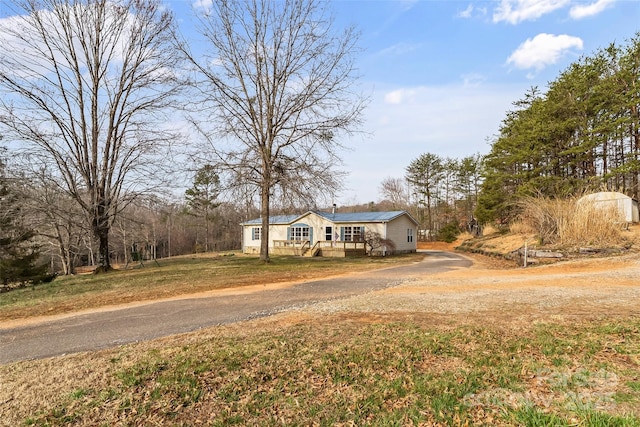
(120, 325)
(571, 289)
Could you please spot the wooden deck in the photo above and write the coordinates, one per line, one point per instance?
(324, 248)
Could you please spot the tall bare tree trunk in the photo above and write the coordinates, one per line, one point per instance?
(101, 228)
(265, 213)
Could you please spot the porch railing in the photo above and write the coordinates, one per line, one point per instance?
(302, 247)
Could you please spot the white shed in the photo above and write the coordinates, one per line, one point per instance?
(627, 206)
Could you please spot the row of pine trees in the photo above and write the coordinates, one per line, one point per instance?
(582, 135)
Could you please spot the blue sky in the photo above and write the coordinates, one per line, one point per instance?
(442, 74)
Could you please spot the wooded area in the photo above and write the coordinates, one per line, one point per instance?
(582, 135)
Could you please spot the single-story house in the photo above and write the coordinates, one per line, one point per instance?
(317, 233)
(625, 205)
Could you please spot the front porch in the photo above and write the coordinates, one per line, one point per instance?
(323, 248)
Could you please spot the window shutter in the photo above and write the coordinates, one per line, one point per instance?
(342, 234)
(288, 233)
(362, 233)
(311, 235)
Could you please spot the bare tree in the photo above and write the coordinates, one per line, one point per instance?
(278, 82)
(86, 84)
(58, 220)
(396, 191)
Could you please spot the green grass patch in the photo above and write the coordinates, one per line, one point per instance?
(391, 372)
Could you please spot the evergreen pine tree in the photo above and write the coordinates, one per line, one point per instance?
(18, 253)
(202, 198)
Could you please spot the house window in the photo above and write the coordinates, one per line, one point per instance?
(255, 233)
(353, 234)
(409, 235)
(299, 233)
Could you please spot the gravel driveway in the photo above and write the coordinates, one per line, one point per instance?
(604, 286)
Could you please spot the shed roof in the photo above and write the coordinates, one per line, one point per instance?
(606, 195)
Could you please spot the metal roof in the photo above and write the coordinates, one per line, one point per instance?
(361, 216)
(336, 217)
(276, 219)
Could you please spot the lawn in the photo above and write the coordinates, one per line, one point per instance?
(176, 276)
(545, 361)
(382, 370)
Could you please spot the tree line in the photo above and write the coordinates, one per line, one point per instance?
(43, 231)
(105, 105)
(581, 135)
(441, 193)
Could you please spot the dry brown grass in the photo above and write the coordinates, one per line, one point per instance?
(344, 369)
(567, 223)
(521, 227)
(488, 230)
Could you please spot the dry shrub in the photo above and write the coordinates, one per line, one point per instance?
(567, 222)
(465, 235)
(488, 230)
(521, 227)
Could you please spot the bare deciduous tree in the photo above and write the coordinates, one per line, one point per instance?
(57, 219)
(396, 191)
(85, 85)
(278, 81)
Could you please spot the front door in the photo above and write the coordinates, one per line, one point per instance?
(328, 235)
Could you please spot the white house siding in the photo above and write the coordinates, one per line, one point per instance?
(250, 246)
(279, 232)
(397, 231)
(315, 222)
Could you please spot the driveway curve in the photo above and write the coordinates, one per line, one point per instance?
(109, 328)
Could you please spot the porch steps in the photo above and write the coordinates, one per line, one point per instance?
(311, 252)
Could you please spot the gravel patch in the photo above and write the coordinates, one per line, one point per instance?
(558, 288)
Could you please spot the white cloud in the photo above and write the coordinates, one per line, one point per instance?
(466, 13)
(472, 79)
(515, 11)
(583, 11)
(543, 50)
(472, 12)
(399, 96)
(204, 5)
